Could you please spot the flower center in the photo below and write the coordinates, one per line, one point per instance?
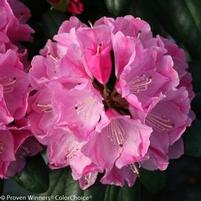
(112, 99)
(2, 147)
(8, 84)
(45, 107)
(140, 84)
(159, 122)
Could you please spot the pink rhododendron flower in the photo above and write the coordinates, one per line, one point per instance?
(75, 7)
(180, 65)
(16, 141)
(110, 99)
(14, 91)
(20, 10)
(14, 82)
(14, 147)
(13, 17)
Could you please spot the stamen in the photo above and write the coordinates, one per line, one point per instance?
(139, 34)
(134, 169)
(45, 107)
(2, 147)
(53, 58)
(140, 84)
(8, 84)
(159, 123)
(90, 24)
(71, 153)
(86, 107)
(116, 133)
(99, 49)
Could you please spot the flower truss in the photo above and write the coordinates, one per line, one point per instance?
(107, 98)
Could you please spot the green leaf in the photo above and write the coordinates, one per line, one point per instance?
(115, 7)
(51, 21)
(130, 194)
(142, 9)
(62, 184)
(111, 193)
(96, 192)
(192, 139)
(181, 21)
(153, 181)
(195, 69)
(34, 177)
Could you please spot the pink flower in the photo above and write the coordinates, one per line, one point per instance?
(125, 142)
(75, 7)
(168, 118)
(118, 176)
(5, 116)
(109, 99)
(14, 82)
(14, 26)
(70, 154)
(20, 10)
(48, 109)
(180, 65)
(14, 91)
(16, 141)
(14, 147)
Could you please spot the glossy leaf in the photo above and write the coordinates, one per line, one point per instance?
(34, 176)
(115, 7)
(62, 183)
(128, 194)
(180, 20)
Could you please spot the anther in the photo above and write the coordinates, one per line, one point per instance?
(45, 107)
(8, 84)
(99, 49)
